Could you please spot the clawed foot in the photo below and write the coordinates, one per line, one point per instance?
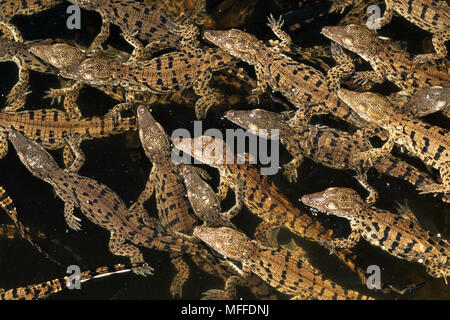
(74, 223)
(365, 158)
(291, 173)
(360, 79)
(114, 115)
(54, 94)
(432, 188)
(254, 97)
(144, 271)
(327, 244)
(14, 96)
(215, 294)
(273, 23)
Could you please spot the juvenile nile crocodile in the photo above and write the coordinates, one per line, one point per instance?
(387, 61)
(45, 289)
(403, 238)
(51, 127)
(330, 147)
(259, 195)
(288, 273)
(171, 72)
(429, 143)
(430, 15)
(101, 206)
(305, 87)
(149, 23)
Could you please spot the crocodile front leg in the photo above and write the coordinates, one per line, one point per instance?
(17, 96)
(373, 194)
(3, 145)
(344, 243)
(72, 221)
(146, 193)
(261, 85)
(208, 96)
(439, 39)
(239, 192)
(290, 169)
(387, 15)
(139, 50)
(275, 25)
(117, 247)
(224, 185)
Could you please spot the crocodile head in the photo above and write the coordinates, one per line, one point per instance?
(238, 43)
(357, 39)
(93, 71)
(370, 106)
(209, 150)
(59, 55)
(153, 137)
(227, 242)
(35, 158)
(257, 121)
(341, 202)
(88, 4)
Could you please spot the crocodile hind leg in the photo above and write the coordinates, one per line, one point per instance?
(176, 287)
(68, 156)
(239, 192)
(138, 52)
(147, 192)
(71, 220)
(117, 247)
(70, 95)
(231, 283)
(17, 96)
(439, 39)
(208, 96)
(387, 15)
(443, 187)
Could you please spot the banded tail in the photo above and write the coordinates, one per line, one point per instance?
(397, 168)
(7, 204)
(45, 289)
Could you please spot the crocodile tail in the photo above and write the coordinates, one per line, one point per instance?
(398, 168)
(7, 204)
(335, 292)
(45, 289)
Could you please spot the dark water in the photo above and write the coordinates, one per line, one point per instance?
(119, 163)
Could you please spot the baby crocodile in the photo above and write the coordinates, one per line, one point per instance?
(430, 15)
(100, 205)
(330, 147)
(387, 61)
(286, 272)
(429, 143)
(45, 289)
(429, 100)
(51, 127)
(400, 237)
(171, 72)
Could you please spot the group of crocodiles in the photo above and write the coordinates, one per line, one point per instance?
(173, 55)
